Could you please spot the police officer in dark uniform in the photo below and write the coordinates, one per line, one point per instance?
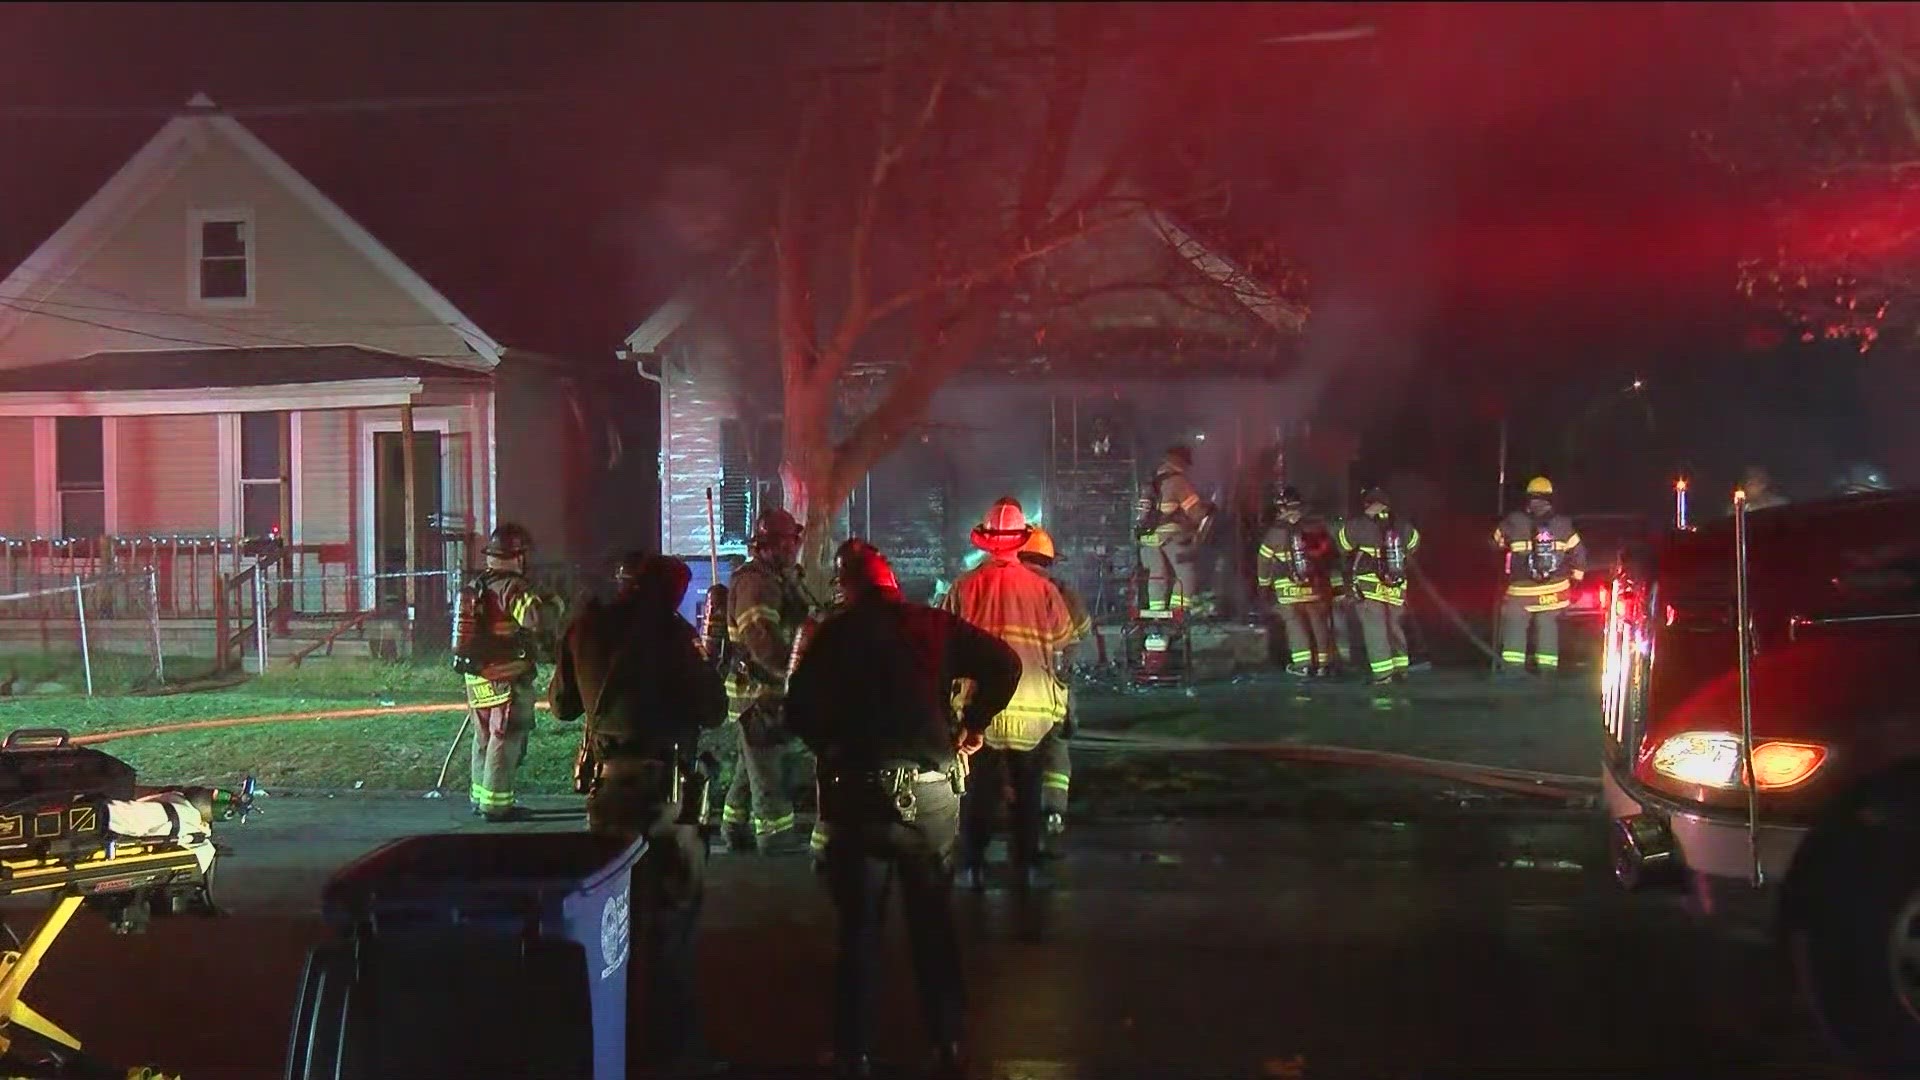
(871, 698)
(633, 669)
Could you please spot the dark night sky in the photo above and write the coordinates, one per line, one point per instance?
(529, 216)
(1507, 181)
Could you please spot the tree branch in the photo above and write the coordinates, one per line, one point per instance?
(858, 315)
(799, 339)
(938, 354)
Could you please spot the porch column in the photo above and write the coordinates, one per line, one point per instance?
(413, 524)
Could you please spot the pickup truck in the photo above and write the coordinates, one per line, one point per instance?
(1816, 827)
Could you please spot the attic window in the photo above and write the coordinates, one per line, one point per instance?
(223, 252)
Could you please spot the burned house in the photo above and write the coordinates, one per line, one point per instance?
(1069, 410)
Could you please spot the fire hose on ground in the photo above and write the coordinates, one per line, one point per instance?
(1516, 781)
(1501, 778)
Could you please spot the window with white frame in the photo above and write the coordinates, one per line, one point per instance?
(223, 256)
(80, 476)
(264, 482)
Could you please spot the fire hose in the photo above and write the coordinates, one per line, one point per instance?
(1500, 778)
(1519, 781)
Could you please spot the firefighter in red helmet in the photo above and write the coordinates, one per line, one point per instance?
(766, 605)
(1017, 605)
(498, 669)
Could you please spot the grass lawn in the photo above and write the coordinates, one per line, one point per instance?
(382, 752)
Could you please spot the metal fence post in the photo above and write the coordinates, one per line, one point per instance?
(80, 606)
(259, 621)
(153, 623)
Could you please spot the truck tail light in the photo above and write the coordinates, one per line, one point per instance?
(1781, 765)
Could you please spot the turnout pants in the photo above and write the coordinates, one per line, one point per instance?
(1309, 628)
(867, 856)
(757, 798)
(1384, 627)
(630, 798)
(995, 774)
(1171, 573)
(499, 744)
(1056, 771)
(1515, 621)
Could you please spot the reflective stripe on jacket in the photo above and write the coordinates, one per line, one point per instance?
(765, 608)
(1022, 608)
(1180, 508)
(1515, 535)
(519, 608)
(1273, 569)
(1362, 537)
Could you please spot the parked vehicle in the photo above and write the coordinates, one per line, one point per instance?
(1820, 819)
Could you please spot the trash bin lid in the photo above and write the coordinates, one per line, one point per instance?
(454, 865)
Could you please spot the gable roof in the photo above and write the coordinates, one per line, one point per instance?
(143, 175)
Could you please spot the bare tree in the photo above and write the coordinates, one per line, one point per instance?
(933, 172)
(1821, 124)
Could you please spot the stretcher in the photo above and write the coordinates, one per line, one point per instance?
(124, 853)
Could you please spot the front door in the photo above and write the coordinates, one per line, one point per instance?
(390, 520)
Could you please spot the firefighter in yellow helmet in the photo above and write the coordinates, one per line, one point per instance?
(1056, 775)
(1171, 515)
(766, 604)
(1015, 604)
(498, 670)
(1544, 559)
(1377, 547)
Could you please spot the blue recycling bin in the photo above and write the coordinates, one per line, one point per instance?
(702, 578)
(502, 954)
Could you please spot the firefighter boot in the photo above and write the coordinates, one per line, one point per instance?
(508, 815)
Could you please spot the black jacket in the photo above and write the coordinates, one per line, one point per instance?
(876, 684)
(636, 668)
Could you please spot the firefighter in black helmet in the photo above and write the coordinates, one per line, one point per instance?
(766, 604)
(633, 670)
(1377, 547)
(499, 675)
(1291, 576)
(870, 698)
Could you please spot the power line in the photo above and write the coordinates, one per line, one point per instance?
(390, 103)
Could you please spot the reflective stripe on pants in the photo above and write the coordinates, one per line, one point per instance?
(1384, 628)
(1516, 621)
(1056, 773)
(499, 744)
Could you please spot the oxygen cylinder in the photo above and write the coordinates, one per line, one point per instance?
(1543, 558)
(713, 624)
(801, 639)
(1297, 563)
(465, 643)
(1393, 556)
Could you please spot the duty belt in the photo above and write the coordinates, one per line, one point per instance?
(897, 782)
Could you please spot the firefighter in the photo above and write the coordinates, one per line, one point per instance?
(1377, 548)
(870, 699)
(1172, 515)
(1545, 559)
(1025, 610)
(1342, 606)
(500, 691)
(766, 603)
(1291, 575)
(633, 668)
(1056, 776)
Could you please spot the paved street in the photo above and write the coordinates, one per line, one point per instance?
(1378, 924)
